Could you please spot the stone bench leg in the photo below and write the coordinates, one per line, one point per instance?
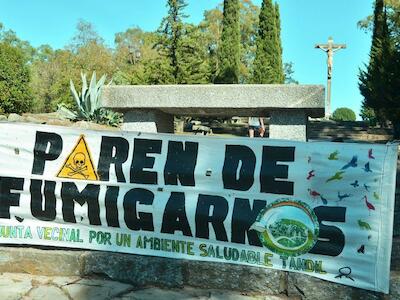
(148, 121)
(288, 125)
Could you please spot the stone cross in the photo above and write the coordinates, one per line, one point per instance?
(330, 48)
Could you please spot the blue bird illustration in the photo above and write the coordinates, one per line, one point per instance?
(324, 200)
(366, 187)
(367, 168)
(355, 184)
(343, 196)
(352, 163)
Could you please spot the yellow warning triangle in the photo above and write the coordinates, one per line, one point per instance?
(78, 164)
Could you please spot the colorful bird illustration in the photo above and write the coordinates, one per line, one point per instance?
(361, 249)
(376, 196)
(333, 155)
(355, 184)
(367, 168)
(324, 200)
(314, 193)
(370, 155)
(364, 225)
(366, 187)
(342, 196)
(311, 174)
(352, 163)
(369, 205)
(337, 176)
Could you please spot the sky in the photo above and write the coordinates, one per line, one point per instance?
(304, 23)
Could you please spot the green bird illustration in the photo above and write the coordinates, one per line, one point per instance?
(337, 176)
(364, 225)
(333, 155)
(376, 196)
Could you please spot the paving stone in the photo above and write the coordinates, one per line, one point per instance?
(60, 281)
(95, 289)
(46, 292)
(14, 287)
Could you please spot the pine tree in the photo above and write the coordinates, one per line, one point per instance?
(268, 60)
(229, 52)
(194, 67)
(171, 31)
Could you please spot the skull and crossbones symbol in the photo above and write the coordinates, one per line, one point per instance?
(79, 165)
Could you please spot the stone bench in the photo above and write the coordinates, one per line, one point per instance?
(151, 108)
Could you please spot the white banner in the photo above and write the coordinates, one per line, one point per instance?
(323, 209)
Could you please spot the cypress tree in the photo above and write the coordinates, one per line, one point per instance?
(268, 59)
(229, 52)
(375, 82)
(279, 67)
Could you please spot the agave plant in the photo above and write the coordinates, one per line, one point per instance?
(89, 104)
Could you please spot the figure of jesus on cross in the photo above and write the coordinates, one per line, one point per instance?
(330, 49)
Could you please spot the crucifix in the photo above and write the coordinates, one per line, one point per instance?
(330, 48)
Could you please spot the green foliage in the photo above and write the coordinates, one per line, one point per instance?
(379, 82)
(88, 103)
(368, 114)
(392, 8)
(288, 73)
(85, 34)
(10, 37)
(248, 15)
(192, 57)
(135, 55)
(343, 114)
(229, 51)
(268, 61)
(211, 27)
(15, 93)
(279, 67)
(171, 33)
(89, 100)
(178, 53)
(50, 80)
(53, 69)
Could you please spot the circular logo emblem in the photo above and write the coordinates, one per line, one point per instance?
(287, 227)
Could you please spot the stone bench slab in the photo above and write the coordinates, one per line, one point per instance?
(217, 100)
